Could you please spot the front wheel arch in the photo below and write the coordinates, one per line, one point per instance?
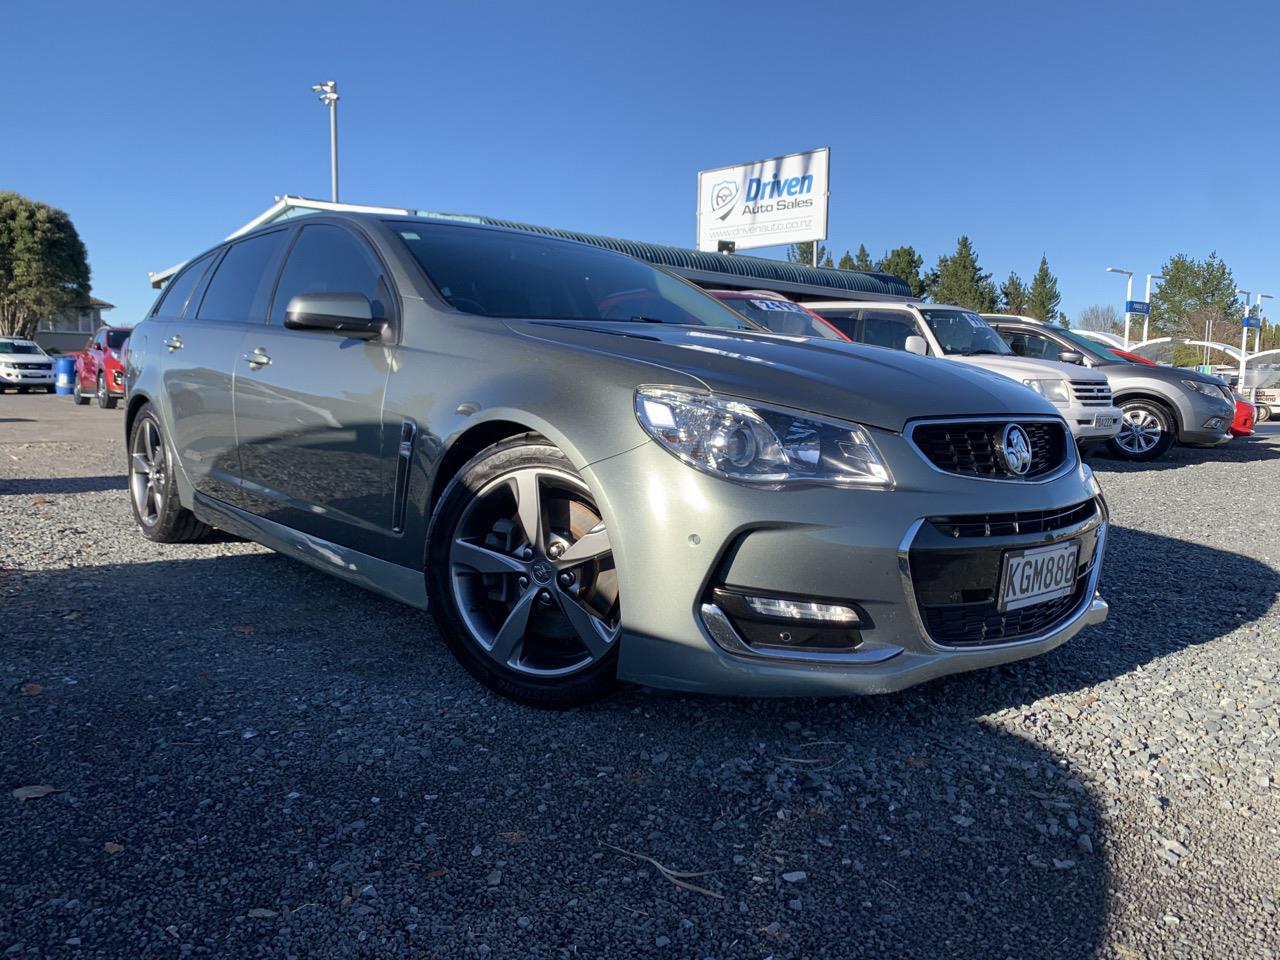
(1168, 405)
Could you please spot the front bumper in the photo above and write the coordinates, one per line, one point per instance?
(10, 377)
(679, 536)
(1090, 424)
(1209, 421)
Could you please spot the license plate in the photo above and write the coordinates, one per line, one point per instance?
(1105, 421)
(1039, 574)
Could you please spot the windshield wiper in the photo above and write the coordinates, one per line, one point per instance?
(982, 350)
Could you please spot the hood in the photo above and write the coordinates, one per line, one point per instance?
(1030, 368)
(1170, 375)
(879, 387)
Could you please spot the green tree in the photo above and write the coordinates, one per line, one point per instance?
(959, 280)
(904, 263)
(1013, 295)
(1197, 297)
(803, 253)
(43, 266)
(863, 260)
(1043, 298)
(846, 262)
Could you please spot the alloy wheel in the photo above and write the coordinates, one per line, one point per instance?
(1140, 431)
(532, 573)
(147, 472)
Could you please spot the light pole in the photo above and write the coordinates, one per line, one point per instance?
(1244, 334)
(329, 96)
(1128, 295)
(1257, 337)
(1146, 320)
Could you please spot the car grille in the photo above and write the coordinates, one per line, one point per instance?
(979, 624)
(34, 366)
(1091, 393)
(1009, 524)
(969, 449)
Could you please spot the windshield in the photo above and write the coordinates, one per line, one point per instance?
(116, 338)
(16, 346)
(961, 333)
(512, 275)
(783, 316)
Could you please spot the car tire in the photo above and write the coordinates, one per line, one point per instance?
(77, 394)
(1147, 431)
(1262, 414)
(153, 486)
(105, 400)
(534, 616)
(50, 389)
(24, 389)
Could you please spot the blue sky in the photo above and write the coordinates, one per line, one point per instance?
(1099, 134)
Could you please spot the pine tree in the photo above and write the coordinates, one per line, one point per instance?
(1013, 295)
(846, 262)
(904, 263)
(803, 253)
(863, 260)
(1043, 298)
(957, 279)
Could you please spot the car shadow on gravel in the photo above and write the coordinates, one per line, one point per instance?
(252, 735)
(61, 485)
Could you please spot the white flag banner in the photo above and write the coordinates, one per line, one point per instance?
(765, 203)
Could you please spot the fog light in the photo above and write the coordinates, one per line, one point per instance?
(804, 610)
(1213, 423)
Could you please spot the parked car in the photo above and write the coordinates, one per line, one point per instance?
(1131, 357)
(1162, 405)
(99, 370)
(778, 314)
(1082, 397)
(1265, 405)
(24, 366)
(440, 412)
(1242, 425)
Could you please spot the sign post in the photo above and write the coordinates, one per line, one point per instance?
(1134, 308)
(1250, 323)
(765, 203)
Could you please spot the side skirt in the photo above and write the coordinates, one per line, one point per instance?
(381, 576)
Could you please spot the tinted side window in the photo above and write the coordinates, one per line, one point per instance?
(328, 259)
(178, 292)
(887, 328)
(1033, 345)
(240, 285)
(846, 321)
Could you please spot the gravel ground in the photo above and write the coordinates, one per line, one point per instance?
(254, 760)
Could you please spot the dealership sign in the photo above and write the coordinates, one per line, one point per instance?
(765, 203)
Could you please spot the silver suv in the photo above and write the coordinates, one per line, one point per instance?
(1082, 396)
(1160, 404)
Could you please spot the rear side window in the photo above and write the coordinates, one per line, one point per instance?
(241, 284)
(846, 321)
(887, 328)
(328, 259)
(178, 292)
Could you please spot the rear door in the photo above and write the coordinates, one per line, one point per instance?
(314, 452)
(201, 347)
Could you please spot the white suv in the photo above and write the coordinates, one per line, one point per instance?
(24, 366)
(1082, 395)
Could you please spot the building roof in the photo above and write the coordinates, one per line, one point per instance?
(696, 265)
(101, 304)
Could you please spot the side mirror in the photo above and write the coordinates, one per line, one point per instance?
(916, 344)
(350, 314)
(1070, 356)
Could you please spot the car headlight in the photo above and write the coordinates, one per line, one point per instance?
(1055, 391)
(756, 443)
(1208, 389)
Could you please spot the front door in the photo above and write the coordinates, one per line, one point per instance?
(314, 452)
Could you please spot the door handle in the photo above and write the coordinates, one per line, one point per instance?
(256, 359)
(174, 343)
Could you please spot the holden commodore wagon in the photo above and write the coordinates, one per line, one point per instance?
(591, 471)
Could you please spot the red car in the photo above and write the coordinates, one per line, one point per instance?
(776, 313)
(1242, 426)
(99, 372)
(1133, 357)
